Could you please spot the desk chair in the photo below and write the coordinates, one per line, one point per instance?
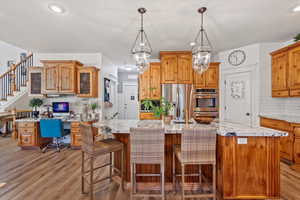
(52, 128)
(198, 147)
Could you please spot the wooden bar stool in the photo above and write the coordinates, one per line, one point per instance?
(93, 149)
(198, 147)
(147, 147)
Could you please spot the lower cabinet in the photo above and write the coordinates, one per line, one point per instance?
(148, 116)
(76, 136)
(29, 135)
(290, 145)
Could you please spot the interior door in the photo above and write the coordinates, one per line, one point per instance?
(238, 98)
(131, 108)
(185, 72)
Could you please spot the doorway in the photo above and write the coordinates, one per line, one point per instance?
(238, 98)
(129, 108)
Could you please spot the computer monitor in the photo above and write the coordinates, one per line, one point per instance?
(60, 108)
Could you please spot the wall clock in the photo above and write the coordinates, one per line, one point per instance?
(237, 57)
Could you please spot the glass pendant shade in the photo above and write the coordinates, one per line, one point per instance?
(202, 50)
(141, 49)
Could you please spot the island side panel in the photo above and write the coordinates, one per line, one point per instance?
(249, 170)
(170, 140)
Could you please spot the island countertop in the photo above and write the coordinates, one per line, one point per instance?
(222, 128)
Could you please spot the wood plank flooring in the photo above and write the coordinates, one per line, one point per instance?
(31, 175)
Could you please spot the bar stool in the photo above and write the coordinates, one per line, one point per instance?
(93, 149)
(147, 146)
(198, 147)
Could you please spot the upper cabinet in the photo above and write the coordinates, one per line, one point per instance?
(176, 67)
(286, 71)
(149, 82)
(60, 76)
(208, 79)
(87, 78)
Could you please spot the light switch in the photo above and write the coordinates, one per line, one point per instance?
(242, 140)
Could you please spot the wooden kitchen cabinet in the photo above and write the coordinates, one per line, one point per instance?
(148, 116)
(35, 81)
(76, 137)
(176, 67)
(29, 135)
(286, 71)
(149, 83)
(208, 79)
(60, 76)
(87, 78)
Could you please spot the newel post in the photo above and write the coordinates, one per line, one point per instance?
(14, 124)
(13, 78)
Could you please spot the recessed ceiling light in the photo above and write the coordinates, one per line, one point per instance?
(56, 8)
(193, 43)
(297, 9)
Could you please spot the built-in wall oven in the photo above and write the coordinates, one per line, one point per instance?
(206, 102)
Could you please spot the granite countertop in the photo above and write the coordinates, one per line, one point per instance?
(37, 120)
(283, 117)
(222, 128)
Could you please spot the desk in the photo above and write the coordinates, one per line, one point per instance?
(29, 133)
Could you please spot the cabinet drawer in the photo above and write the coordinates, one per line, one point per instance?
(148, 116)
(282, 93)
(26, 140)
(295, 93)
(75, 130)
(297, 132)
(76, 140)
(75, 124)
(275, 124)
(26, 131)
(26, 124)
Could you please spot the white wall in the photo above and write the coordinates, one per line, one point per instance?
(8, 52)
(259, 60)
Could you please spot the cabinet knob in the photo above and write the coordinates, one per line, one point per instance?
(247, 114)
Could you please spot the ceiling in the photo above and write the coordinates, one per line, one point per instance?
(110, 27)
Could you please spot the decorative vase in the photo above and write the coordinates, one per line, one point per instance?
(167, 119)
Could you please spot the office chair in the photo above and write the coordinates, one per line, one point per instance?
(52, 128)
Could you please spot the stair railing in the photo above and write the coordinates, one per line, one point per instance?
(15, 78)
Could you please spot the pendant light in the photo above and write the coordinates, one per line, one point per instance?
(141, 49)
(202, 49)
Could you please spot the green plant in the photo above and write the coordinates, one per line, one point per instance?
(35, 103)
(162, 110)
(297, 37)
(94, 106)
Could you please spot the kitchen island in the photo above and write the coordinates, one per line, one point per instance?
(248, 159)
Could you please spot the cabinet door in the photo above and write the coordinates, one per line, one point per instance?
(169, 68)
(199, 80)
(51, 79)
(279, 72)
(35, 81)
(155, 81)
(212, 76)
(297, 145)
(287, 147)
(294, 68)
(67, 80)
(84, 86)
(185, 72)
(144, 85)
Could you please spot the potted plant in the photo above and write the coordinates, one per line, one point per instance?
(94, 106)
(297, 38)
(163, 110)
(35, 103)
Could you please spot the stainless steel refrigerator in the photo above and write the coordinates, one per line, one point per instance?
(180, 95)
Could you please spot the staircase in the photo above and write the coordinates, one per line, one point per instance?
(13, 83)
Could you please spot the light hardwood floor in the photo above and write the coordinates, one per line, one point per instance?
(31, 175)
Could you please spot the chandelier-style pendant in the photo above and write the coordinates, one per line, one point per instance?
(141, 49)
(202, 49)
